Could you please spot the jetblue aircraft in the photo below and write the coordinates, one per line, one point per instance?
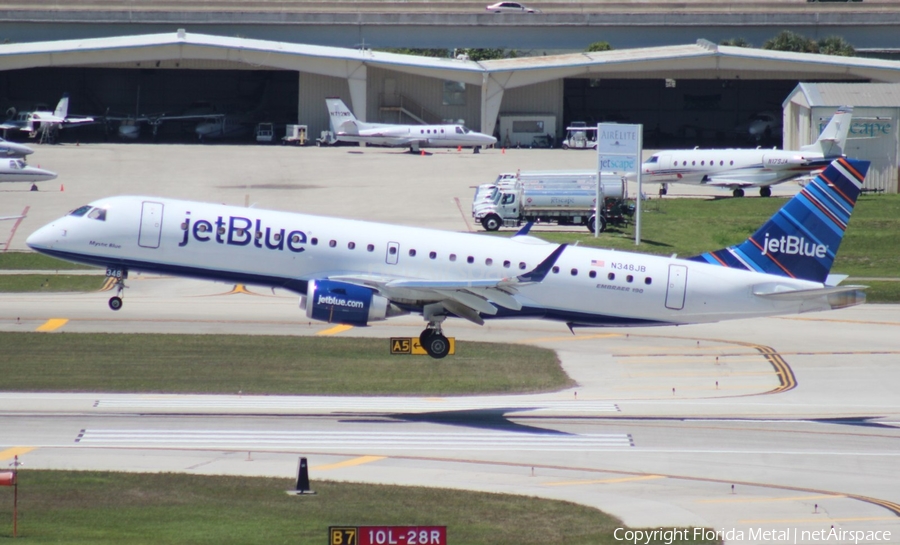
(346, 128)
(737, 169)
(355, 272)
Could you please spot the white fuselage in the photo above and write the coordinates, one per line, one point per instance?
(747, 167)
(445, 136)
(586, 286)
(17, 170)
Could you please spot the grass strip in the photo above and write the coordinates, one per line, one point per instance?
(166, 508)
(43, 283)
(36, 261)
(228, 364)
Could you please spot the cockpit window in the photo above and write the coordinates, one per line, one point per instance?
(80, 211)
(98, 214)
(653, 159)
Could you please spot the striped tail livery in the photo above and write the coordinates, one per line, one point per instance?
(801, 240)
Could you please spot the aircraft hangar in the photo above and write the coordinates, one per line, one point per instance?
(685, 95)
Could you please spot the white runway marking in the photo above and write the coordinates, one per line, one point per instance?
(356, 440)
(355, 404)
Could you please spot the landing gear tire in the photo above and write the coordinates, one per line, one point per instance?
(491, 222)
(435, 344)
(765, 191)
(424, 336)
(738, 192)
(115, 302)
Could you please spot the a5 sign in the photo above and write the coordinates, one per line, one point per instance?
(387, 535)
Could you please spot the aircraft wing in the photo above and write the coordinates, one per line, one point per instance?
(77, 120)
(6, 126)
(467, 299)
(751, 178)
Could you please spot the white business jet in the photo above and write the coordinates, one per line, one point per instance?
(45, 122)
(346, 128)
(11, 150)
(17, 170)
(737, 169)
(353, 272)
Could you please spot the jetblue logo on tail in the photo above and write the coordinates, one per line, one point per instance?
(792, 245)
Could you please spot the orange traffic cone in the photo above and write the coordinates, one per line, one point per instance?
(458, 148)
(502, 151)
(61, 187)
(422, 152)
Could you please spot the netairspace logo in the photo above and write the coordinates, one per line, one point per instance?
(668, 536)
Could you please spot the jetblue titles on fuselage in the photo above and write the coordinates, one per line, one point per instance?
(236, 230)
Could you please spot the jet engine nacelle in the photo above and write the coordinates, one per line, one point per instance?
(340, 302)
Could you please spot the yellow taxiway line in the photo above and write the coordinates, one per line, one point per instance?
(335, 330)
(53, 324)
(350, 463)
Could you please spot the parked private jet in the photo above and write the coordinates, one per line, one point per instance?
(354, 272)
(737, 169)
(44, 122)
(17, 170)
(11, 150)
(346, 128)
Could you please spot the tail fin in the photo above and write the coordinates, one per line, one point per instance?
(834, 136)
(62, 109)
(801, 239)
(338, 115)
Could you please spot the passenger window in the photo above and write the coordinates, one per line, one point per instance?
(221, 230)
(721, 163)
(648, 281)
(412, 253)
(574, 272)
(593, 274)
(693, 163)
(470, 259)
(702, 163)
(332, 243)
(611, 276)
(488, 261)
(314, 241)
(392, 250)
(731, 163)
(370, 248)
(350, 245)
(452, 257)
(555, 269)
(522, 265)
(506, 264)
(432, 255)
(295, 239)
(277, 237)
(258, 234)
(629, 279)
(203, 228)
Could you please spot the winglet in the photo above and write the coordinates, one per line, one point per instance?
(524, 230)
(537, 274)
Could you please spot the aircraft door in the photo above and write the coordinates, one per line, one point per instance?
(676, 289)
(393, 253)
(151, 224)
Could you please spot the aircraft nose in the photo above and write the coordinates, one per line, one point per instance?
(44, 238)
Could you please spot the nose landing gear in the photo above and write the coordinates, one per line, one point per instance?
(115, 302)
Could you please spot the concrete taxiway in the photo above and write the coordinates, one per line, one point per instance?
(787, 422)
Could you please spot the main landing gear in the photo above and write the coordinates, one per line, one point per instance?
(115, 302)
(432, 338)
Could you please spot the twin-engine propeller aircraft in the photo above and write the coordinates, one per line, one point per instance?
(346, 128)
(737, 169)
(355, 272)
(44, 122)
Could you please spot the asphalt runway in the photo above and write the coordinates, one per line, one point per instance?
(774, 423)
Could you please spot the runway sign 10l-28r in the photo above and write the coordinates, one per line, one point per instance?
(387, 535)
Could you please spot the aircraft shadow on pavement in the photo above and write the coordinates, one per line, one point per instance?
(489, 419)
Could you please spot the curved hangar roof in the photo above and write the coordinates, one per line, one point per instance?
(703, 60)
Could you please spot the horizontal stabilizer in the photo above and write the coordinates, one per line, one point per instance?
(772, 292)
